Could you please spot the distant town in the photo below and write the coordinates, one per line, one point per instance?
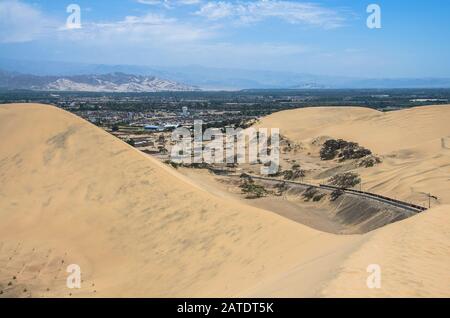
(146, 120)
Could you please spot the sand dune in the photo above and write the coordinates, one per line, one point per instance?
(413, 256)
(76, 194)
(72, 193)
(413, 143)
(415, 147)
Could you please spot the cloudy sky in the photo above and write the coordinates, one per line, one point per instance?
(329, 37)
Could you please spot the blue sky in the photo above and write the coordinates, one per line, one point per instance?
(328, 37)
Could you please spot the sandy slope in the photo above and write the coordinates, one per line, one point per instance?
(414, 144)
(413, 256)
(71, 193)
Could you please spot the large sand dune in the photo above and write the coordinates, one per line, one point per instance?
(413, 143)
(72, 193)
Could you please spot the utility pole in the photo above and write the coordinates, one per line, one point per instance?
(429, 199)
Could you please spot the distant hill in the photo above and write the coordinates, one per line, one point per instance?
(113, 82)
(210, 78)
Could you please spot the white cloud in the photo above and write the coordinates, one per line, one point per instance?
(169, 3)
(186, 39)
(288, 11)
(20, 22)
(149, 28)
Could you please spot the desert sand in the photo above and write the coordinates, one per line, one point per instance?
(70, 193)
(413, 143)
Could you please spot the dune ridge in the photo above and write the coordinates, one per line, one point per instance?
(72, 193)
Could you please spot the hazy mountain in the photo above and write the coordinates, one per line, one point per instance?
(113, 82)
(221, 78)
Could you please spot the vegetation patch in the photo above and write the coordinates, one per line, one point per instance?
(369, 161)
(281, 188)
(294, 174)
(344, 150)
(312, 194)
(336, 194)
(194, 165)
(318, 197)
(345, 180)
(252, 190)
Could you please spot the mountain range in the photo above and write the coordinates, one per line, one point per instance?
(135, 78)
(112, 82)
